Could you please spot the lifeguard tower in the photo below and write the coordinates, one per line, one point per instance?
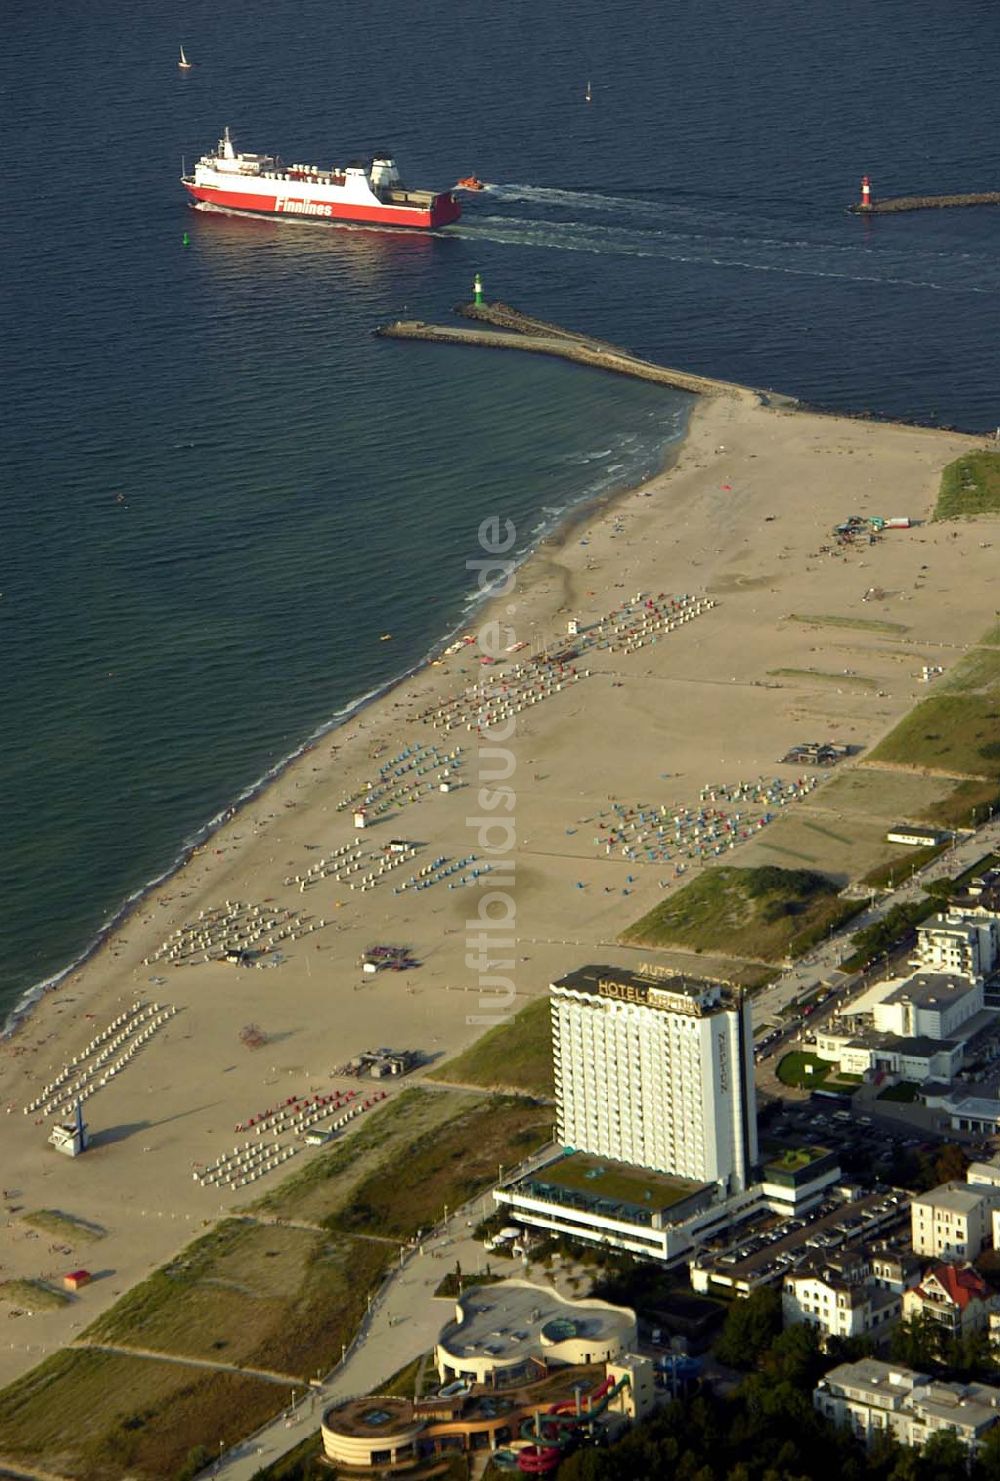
(70, 1137)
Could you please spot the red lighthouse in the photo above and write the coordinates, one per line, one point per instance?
(866, 193)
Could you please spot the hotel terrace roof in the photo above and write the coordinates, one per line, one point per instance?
(614, 1189)
(586, 1173)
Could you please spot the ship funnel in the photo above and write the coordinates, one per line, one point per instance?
(226, 149)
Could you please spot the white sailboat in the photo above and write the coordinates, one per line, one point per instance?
(588, 95)
(184, 64)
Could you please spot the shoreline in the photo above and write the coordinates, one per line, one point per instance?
(733, 528)
(574, 516)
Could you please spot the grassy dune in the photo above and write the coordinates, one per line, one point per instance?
(764, 914)
(970, 485)
(513, 1056)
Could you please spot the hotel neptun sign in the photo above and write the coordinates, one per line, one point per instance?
(648, 995)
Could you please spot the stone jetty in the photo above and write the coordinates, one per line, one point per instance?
(509, 329)
(925, 203)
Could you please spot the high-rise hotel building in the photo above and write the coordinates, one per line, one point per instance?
(657, 1072)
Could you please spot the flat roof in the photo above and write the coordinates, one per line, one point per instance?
(509, 1320)
(974, 1105)
(931, 989)
(872, 1373)
(968, 1405)
(920, 1047)
(950, 924)
(957, 1198)
(793, 1158)
(371, 1418)
(697, 995)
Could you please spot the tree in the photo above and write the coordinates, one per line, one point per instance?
(951, 1163)
(847, 1350)
(794, 1357)
(967, 1355)
(988, 1265)
(750, 1327)
(917, 1342)
(987, 1466)
(883, 1452)
(907, 1467)
(944, 1458)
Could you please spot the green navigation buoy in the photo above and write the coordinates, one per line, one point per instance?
(185, 240)
(477, 289)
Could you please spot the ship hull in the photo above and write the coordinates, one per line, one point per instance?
(441, 212)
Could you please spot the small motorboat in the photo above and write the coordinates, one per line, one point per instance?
(183, 62)
(470, 182)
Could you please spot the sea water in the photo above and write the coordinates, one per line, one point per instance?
(218, 490)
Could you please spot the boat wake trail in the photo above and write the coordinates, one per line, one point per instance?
(581, 200)
(691, 235)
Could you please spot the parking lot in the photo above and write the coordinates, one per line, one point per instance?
(766, 1252)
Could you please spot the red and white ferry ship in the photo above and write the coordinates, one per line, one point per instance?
(263, 184)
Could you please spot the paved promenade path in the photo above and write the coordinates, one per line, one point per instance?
(403, 1323)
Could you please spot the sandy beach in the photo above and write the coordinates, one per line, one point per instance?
(711, 692)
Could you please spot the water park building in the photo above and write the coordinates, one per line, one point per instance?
(515, 1329)
(529, 1376)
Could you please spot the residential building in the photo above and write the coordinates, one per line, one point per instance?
(931, 1004)
(836, 1296)
(953, 943)
(952, 1221)
(955, 1296)
(656, 1072)
(874, 1399)
(980, 898)
(892, 1268)
(984, 1175)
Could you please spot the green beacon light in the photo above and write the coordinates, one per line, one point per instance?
(477, 290)
(185, 240)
